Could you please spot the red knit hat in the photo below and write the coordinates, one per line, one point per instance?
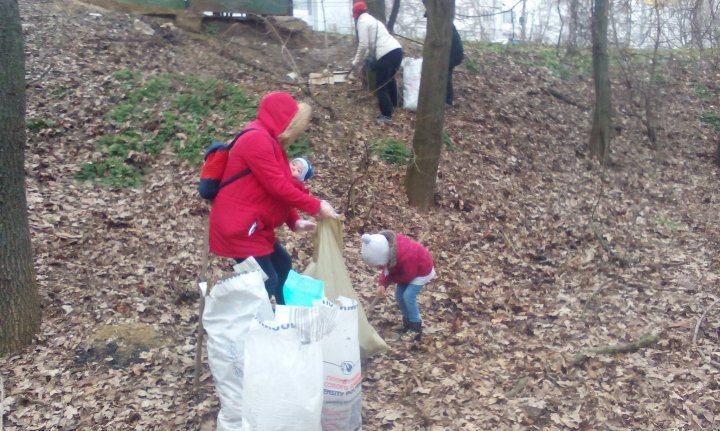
(359, 8)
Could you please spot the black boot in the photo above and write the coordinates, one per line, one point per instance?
(414, 332)
(404, 328)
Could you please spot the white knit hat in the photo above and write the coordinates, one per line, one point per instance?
(375, 249)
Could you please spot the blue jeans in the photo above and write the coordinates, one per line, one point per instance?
(406, 297)
(276, 266)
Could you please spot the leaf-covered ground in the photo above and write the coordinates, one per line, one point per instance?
(541, 254)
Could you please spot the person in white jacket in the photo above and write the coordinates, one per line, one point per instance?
(375, 42)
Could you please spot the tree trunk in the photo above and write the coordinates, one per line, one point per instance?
(650, 89)
(427, 142)
(523, 23)
(600, 133)
(393, 15)
(573, 24)
(696, 26)
(562, 27)
(377, 9)
(19, 301)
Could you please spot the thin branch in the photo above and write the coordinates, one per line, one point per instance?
(706, 359)
(305, 85)
(510, 244)
(633, 346)
(283, 46)
(409, 39)
(490, 14)
(517, 388)
(592, 295)
(28, 84)
(614, 256)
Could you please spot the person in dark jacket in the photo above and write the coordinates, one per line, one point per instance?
(456, 58)
(246, 212)
(457, 54)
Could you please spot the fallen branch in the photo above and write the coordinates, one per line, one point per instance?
(510, 244)
(633, 346)
(707, 360)
(587, 301)
(517, 388)
(27, 85)
(285, 53)
(371, 305)
(558, 95)
(614, 256)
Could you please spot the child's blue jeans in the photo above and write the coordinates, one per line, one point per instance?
(406, 297)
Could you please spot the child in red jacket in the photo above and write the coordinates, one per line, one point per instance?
(405, 262)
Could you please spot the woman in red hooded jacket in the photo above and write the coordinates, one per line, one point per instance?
(246, 212)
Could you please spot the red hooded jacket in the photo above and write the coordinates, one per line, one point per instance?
(245, 213)
(408, 260)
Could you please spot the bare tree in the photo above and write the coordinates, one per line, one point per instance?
(523, 22)
(696, 23)
(562, 27)
(649, 90)
(393, 15)
(573, 24)
(639, 67)
(19, 301)
(421, 176)
(600, 132)
(377, 9)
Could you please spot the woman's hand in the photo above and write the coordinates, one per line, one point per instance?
(304, 226)
(380, 290)
(327, 211)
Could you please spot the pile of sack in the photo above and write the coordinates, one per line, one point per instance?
(297, 368)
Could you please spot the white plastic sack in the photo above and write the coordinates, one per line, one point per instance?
(412, 70)
(342, 399)
(283, 381)
(229, 311)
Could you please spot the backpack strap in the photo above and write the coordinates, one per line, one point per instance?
(241, 173)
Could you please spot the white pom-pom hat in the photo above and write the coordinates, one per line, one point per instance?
(375, 249)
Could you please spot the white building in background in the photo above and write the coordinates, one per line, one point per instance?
(475, 20)
(500, 20)
(333, 16)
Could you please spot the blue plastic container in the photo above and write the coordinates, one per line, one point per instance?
(302, 290)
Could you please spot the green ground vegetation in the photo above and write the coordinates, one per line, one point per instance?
(182, 113)
(391, 151)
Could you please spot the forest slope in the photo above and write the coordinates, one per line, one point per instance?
(541, 253)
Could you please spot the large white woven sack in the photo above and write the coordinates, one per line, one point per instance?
(283, 381)
(229, 311)
(342, 398)
(412, 70)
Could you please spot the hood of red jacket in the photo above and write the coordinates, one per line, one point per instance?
(276, 111)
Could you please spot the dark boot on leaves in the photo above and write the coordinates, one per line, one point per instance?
(414, 332)
(404, 328)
